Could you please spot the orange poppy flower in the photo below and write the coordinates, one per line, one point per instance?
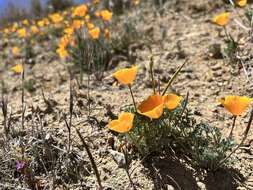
(221, 19)
(171, 101)
(152, 107)
(94, 33)
(126, 76)
(106, 15)
(123, 124)
(241, 3)
(236, 104)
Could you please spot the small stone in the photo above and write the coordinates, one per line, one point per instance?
(201, 185)
(170, 187)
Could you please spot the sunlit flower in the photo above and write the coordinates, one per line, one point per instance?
(152, 107)
(94, 33)
(15, 51)
(90, 25)
(126, 76)
(106, 15)
(69, 31)
(62, 52)
(17, 68)
(236, 104)
(56, 18)
(95, 1)
(241, 3)
(221, 19)
(77, 24)
(123, 124)
(22, 33)
(25, 22)
(34, 29)
(80, 11)
(106, 33)
(171, 101)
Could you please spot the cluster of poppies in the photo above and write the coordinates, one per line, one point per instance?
(155, 104)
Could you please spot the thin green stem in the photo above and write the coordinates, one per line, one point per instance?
(152, 73)
(227, 34)
(132, 95)
(233, 126)
(174, 77)
(239, 145)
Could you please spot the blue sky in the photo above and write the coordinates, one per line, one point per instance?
(21, 3)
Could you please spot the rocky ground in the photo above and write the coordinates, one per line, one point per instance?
(189, 35)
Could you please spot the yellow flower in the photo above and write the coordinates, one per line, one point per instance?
(152, 107)
(241, 3)
(41, 23)
(106, 15)
(25, 22)
(236, 104)
(34, 29)
(95, 1)
(22, 33)
(90, 25)
(62, 52)
(172, 101)
(69, 31)
(126, 76)
(15, 51)
(94, 33)
(221, 19)
(106, 33)
(123, 124)
(80, 11)
(56, 18)
(17, 68)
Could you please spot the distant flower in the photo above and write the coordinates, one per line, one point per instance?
(20, 165)
(106, 15)
(62, 52)
(34, 29)
(126, 76)
(69, 31)
(90, 25)
(15, 51)
(241, 3)
(95, 1)
(25, 22)
(152, 107)
(56, 18)
(171, 101)
(106, 33)
(22, 33)
(94, 33)
(136, 2)
(80, 11)
(76, 24)
(236, 104)
(221, 19)
(123, 124)
(17, 68)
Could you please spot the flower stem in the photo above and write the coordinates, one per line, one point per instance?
(152, 73)
(174, 77)
(129, 86)
(239, 145)
(233, 126)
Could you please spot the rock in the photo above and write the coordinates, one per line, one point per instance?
(201, 185)
(170, 187)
